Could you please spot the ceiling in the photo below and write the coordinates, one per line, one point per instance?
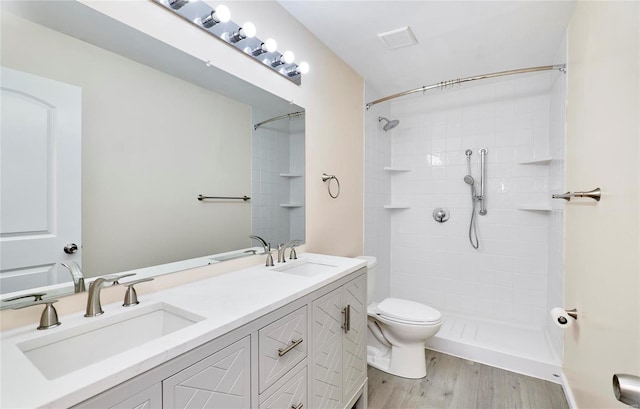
(455, 38)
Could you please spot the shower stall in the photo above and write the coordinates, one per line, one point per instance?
(496, 299)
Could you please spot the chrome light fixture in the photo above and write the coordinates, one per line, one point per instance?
(286, 58)
(301, 68)
(220, 15)
(269, 46)
(217, 22)
(177, 4)
(248, 30)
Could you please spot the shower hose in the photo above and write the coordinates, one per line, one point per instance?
(473, 229)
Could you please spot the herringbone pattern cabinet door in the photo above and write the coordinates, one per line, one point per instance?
(220, 381)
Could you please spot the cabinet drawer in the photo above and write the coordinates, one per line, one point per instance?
(291, 395)
(281, 345)
(219, 381)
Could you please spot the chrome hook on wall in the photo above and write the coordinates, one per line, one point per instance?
(329, 178)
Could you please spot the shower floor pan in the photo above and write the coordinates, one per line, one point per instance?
(518, 349)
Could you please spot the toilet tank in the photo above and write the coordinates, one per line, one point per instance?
(371, 275)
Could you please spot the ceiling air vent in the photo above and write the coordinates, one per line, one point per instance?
(401, 37)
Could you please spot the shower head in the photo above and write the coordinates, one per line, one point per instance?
(390, 124)
(468, 179)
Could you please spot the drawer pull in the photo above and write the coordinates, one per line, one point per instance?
(294, 343)
(298, 406)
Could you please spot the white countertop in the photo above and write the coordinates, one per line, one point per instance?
(226, 302)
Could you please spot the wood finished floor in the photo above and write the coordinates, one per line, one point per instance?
(457, 383)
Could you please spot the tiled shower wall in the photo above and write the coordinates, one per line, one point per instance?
(506, 278)
(278, 148)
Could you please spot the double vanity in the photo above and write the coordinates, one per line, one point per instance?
(289, 336)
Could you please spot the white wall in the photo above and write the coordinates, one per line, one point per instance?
(149, 148)
(602, 265)
(433, 263)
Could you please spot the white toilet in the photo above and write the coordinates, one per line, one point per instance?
(397, 331)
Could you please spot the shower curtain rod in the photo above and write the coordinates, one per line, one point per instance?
(445, 84)
(256, 126)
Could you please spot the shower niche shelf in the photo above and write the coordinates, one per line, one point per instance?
(537, 161)
(397, 206)
(394, 169)
(291, 205)
(291, 175)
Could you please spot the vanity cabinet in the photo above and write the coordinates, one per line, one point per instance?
(310, 353)
(339, 345)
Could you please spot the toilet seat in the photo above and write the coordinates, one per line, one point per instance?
(407, 312)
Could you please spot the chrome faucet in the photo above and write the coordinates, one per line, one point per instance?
(94, 308)
(282, 248)
(77, 275)
(292, 254)
(267, 249)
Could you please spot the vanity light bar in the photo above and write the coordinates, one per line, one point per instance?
(217, 22)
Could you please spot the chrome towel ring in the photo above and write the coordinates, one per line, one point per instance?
(329, 178)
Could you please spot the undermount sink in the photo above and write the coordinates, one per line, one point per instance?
(304, 268)
(66, 351)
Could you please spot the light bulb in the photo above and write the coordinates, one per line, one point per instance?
(270, 45)
(303, 67)
(220, 15)
(288, 57)
(223, 13)
(249, 30)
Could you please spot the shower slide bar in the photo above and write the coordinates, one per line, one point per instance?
(445, 84)
(277, 118)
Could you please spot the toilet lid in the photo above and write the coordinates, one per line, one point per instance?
(410, 311)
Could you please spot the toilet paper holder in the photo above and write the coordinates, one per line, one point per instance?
(573, 313)
(564, 318)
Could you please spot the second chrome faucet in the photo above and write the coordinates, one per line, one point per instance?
(283, 248)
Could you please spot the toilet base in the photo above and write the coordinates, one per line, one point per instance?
(408, 361)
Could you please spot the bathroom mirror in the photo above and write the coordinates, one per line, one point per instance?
(158, 128)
